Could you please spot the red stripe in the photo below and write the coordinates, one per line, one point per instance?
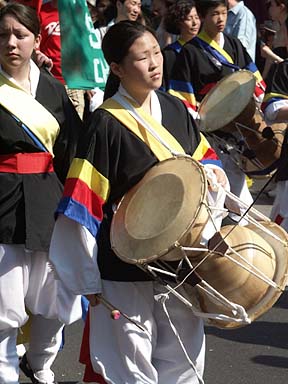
(210, 154)
(206, 88)
(27, 163)
(189, 105)
(79, 191)
(278, 219)
(89, 375)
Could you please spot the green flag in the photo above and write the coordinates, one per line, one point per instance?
(82, 60)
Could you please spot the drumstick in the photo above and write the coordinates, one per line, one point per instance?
(115, 313)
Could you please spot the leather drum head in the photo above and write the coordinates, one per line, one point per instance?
(159, 210)
(224, 102)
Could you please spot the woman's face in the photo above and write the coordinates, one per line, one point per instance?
(16, 43)
(190, 26)
(141, 70)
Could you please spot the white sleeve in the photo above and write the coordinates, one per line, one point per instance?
(73, 253)
(271, 111)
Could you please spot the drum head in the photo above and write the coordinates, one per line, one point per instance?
(226, 100)
(159, 210)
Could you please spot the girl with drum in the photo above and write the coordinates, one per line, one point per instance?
(38, 135)
(201, 64)
(126, 136)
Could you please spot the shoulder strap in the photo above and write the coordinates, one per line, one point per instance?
(29, 112)
(143, 125)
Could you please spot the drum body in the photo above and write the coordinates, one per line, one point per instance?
(256, 250)
(167, 207)
(162, 219)
(231, 108)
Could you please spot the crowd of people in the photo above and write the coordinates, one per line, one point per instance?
(64, 167)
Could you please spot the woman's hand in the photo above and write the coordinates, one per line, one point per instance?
(220, 177)
(42, 60)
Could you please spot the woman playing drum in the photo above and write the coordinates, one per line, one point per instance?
(126, 136)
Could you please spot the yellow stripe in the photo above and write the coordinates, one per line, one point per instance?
(190, 97)
(36, 117)
(203, 36)
(159, 150)
(202, 148)
(83, 170)
(258, 76)
(269, 96)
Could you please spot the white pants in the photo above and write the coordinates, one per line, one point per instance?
(27, 281)
(280, 205)
(124, 354)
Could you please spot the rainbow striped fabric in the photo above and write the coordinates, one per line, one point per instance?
(85, 192)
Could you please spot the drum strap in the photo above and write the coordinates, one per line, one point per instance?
(150, 131)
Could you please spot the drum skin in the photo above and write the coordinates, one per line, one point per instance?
(236, 283)
(167, 207)
(230, 107)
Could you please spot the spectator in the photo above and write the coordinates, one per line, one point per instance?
(51, 47)
(241, 23)
(160, 10)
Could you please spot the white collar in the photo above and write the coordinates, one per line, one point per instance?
(155, 106)
(222, 40)
(34, 77)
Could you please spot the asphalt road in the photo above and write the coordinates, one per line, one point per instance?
(255, 354)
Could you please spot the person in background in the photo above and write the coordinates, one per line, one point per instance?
(264, 53)
(182, 20)
(51, 46)
(275, 108)
(39, 134)
(91, 4)
(278, 12)
(106, 11)
(241, 23)
(159, 9)
(119, 157)
(205, 60)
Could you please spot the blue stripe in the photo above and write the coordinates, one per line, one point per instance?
(78, 212)
(209, 161)
(30, 134)
(181, 86)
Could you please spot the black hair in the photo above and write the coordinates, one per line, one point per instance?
(203, 6)
(115, 45)
(26, 16)
(177, 13)
(119, 38)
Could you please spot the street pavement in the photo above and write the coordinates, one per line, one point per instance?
(254, 354)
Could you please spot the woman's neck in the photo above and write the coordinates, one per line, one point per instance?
(143, 99)
(21, 76)
(214, 36)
